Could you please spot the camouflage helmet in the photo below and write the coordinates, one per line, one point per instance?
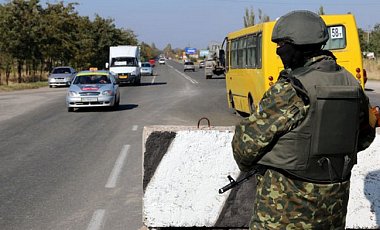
(300, 27)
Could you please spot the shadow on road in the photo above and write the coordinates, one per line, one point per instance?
(371, 188)
(144, 84)
(107, 109)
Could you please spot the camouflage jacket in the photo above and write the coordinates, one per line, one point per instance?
(280, 110)
(282, 202)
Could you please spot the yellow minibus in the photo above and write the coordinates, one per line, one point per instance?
(252, 64)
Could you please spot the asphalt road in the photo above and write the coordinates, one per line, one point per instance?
(83, 170)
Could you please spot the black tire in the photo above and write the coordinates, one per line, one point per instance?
(137, 81)
(50, 86)
(252, 107)
(116, 104)
(231, 98)
(118, 101)
(70, 109)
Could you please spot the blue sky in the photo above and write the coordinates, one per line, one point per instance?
(195, 23)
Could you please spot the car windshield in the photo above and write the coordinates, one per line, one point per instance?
(189, 63)
(92, 79)
(145, 65)
(123, 61)
(61, 70)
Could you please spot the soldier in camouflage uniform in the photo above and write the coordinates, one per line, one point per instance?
(307, 131)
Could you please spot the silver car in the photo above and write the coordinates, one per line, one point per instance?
(146, 69)
(188, 65)
(61, 76)
(93, 89)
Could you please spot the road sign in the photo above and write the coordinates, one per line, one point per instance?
(189, 50)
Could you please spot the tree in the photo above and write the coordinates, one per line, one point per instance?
(168, 51)
(21, 24)
(60, 30)
(374, 40)
(35, 38)
(249, 17)
(263, 17)
(321, 11)
(146, 52)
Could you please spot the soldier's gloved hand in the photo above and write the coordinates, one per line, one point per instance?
(374, 116)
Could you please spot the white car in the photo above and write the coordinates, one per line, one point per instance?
(161, 61)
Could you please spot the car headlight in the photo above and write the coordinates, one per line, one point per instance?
(107, 93)
(72, 94)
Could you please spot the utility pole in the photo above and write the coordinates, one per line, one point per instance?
(368, 32)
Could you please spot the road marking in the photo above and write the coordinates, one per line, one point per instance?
(111, 183)
(184, 75)
(96, 220)
(134, 128)
(154, 78)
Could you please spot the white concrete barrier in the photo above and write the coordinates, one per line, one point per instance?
(185, 166)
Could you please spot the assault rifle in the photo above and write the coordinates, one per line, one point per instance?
(233, 183)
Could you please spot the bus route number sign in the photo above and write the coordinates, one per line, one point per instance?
(336, 32)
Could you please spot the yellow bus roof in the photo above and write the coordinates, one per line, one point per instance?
(328, 18)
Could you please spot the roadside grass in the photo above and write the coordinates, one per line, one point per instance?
(20, 86)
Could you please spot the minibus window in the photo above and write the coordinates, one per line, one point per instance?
(241, 48)
(251, 51)
(337, 38)
(234, 56)
(259, 52)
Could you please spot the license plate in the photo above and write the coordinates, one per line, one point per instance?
(123, 76)
(89, 99)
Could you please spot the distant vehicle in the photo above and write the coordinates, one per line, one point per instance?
(93, 89)
(188, 65)
(61, 76)
(124, 62)
(146, 69)
(161, 61)
(201, 64)
(214, 64)
(152, 62)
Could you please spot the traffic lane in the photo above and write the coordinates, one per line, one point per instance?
(372, 89)
(54, 165)
(204, 98)
(19, 102)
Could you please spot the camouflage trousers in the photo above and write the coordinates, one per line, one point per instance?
(282, 203)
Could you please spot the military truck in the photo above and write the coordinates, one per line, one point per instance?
(215, 61)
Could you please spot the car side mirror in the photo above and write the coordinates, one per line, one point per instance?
(107, 65)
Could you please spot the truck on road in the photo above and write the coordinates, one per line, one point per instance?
(214, 64)
(124, 61)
